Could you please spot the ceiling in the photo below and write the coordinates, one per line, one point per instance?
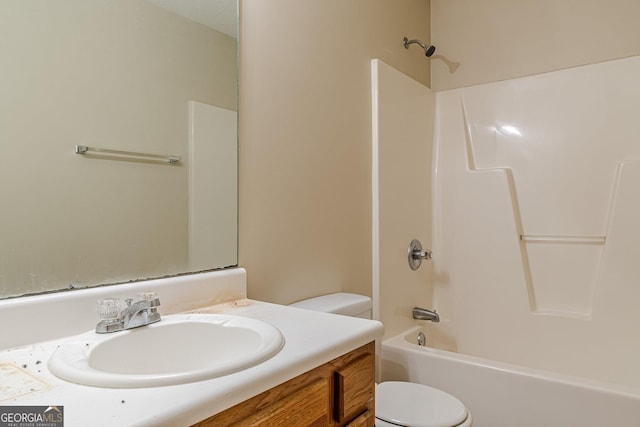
(220, 15)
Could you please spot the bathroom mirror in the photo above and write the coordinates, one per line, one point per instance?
(129, 75)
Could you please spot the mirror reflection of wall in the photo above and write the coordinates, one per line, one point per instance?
(117, 74)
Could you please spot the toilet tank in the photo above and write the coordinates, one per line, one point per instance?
(353, 305)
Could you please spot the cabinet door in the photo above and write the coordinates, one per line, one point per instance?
(354, 388)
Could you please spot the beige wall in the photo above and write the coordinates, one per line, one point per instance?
(493, 40)
(305, 138)
(116, 74)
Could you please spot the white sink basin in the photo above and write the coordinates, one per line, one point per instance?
(179, 349)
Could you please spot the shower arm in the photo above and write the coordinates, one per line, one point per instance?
(428, 49)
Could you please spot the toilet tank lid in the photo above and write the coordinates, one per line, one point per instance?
(339, 303)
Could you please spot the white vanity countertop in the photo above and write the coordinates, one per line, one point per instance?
(311, 339)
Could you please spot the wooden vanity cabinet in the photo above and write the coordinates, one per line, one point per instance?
(338, 393)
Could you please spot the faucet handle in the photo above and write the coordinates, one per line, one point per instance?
(147, 296)
(109, 309)
(151, 298)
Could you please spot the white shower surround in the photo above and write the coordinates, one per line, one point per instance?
(535, 221)
(534, 214)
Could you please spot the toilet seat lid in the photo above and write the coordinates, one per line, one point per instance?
(417, 405)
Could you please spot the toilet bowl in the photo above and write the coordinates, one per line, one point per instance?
(398, 403)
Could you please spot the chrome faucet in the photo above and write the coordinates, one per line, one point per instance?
(114, 318)
(424, 314)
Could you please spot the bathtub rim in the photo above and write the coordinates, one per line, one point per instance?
(400, 341)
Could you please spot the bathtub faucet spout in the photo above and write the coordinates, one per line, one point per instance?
(424, 314)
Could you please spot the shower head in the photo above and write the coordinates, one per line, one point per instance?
(428, 49)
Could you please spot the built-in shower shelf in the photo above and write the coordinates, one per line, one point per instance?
(576, 240)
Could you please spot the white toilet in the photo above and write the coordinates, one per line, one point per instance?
(398, 403)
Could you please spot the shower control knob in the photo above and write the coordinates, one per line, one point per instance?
(417, 254)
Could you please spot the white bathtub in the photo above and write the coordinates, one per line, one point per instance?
(505, 395)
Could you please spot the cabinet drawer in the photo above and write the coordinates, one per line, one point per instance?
(364, 420)
(305, 407)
